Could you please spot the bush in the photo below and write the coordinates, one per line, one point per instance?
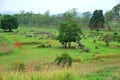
(107, 39)
(63, 60)
(41, 46)
(18, 66)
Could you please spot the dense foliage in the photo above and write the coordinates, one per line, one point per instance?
(47, 19)
(97, 20)
(116, 9)
(9, 22)
(69, 32)
(112, 18)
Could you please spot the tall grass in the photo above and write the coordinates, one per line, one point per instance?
(103, 73)
(46, 75)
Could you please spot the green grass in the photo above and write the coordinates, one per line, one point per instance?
(30, 53)
(36, 53)
(102, 74)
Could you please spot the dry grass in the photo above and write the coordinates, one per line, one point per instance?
(50, 71)
(5, 48)
(79, 68)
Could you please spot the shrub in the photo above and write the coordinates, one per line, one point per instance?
(107, 39)
(41, 46)
(118, 39)
(18, 66)
(63, 60)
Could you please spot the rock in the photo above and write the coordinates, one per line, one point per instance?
(86, 50)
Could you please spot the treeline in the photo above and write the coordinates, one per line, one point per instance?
(32, 19)
(112, 18)
(40, 20)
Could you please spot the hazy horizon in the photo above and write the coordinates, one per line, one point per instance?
(55, 6)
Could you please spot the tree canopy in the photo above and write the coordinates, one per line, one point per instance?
(112, 17)
(85, 18)
(9, 22)
(69, 32)
(97, 20)
(116, 9)
(114, 14)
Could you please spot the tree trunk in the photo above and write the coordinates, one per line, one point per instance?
(10, 30)
(79, 44)
(97, 32)
(65, 44)
(69, 44)
(62, 44)
(107, 44)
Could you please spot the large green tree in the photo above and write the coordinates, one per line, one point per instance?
(9, 22)
(97, 21)
(69, 32)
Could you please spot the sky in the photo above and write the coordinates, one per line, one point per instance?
(56, 6)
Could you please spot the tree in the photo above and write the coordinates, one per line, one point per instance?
(97, 20)
(116, 9)
(109, 17)
(85, 18)
(9, 22)
(70, 14)
(69, 32)
(113, 15)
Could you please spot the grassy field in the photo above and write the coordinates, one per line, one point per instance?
(98, 64)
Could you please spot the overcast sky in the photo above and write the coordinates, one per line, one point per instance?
(56, 6)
